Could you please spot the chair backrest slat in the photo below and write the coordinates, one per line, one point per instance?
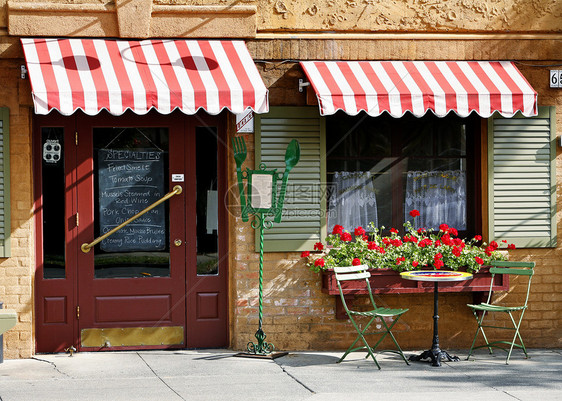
(505, 270)
(352, 276)
(350, 269)
(344, 273)
(512, 267)
(508, 263)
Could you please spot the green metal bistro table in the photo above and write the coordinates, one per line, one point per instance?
(435, 353)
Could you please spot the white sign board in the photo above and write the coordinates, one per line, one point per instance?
(245, 121)
(177, 177)
(261, 191)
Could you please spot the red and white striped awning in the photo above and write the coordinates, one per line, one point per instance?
(116, 75)
(396, 87)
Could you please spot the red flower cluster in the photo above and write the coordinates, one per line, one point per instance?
(416, 249)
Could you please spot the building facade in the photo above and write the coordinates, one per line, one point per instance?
(187, 275)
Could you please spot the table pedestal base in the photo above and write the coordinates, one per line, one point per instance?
(437, 355)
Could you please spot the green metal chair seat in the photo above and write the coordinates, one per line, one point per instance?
(483, 309)
(360, 273)
(495, 308)
(383, 312)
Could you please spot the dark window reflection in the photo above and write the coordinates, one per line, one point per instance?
(52, 171)
(207, 201)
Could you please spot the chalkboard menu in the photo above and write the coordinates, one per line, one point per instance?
(129, 181)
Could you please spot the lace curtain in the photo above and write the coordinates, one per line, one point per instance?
(352, 202)
(440, 196)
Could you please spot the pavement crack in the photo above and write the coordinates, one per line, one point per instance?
(295, 379)
(53, 364)
(159, 378)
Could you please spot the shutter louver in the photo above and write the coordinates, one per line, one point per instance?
(522, 185)
(303, 222)
(5, 227)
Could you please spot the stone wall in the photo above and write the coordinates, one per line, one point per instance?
(17, 271)
(410, 15)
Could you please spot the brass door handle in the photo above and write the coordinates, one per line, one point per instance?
(178, 242)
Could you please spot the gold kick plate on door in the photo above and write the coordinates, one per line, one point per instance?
(131, 336)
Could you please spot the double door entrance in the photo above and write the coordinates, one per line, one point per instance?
(130, 233)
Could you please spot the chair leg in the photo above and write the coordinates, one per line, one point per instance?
(479, 329)
(388, 331)
(515, 336)
(361, 336)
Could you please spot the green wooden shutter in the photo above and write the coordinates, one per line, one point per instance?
(5, 227)
(522, 179)
(304, 213)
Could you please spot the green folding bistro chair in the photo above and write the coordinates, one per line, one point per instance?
(359, 273)
(485, 308)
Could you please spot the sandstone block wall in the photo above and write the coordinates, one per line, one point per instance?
(17, 272)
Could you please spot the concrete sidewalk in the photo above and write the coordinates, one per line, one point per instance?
(218, 375)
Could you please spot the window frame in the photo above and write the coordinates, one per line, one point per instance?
(473, 157)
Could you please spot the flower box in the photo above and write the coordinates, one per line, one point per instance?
(387, 281)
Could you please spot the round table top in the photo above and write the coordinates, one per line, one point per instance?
(436, 275)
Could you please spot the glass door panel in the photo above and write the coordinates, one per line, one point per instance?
(131, 170)
(53, 189)
(207, 202)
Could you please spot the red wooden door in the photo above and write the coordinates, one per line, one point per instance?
(160, 281)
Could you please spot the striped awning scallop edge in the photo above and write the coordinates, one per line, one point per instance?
(396, 87)
(116, 75)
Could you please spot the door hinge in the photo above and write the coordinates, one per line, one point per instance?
(77, 219)
(76, 137)
(77, 313)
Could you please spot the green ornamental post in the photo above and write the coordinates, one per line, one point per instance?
(261, 203)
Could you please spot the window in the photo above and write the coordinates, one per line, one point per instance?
(379, 169)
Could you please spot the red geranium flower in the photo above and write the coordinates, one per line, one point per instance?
(359, 231)
(453, 231)
(356, 262)
(511, 246)
(443, 227)
(478, 237)
(371, 245)
(318, 246)
(457, 251)
(394, 231)
(438, 264)
(337, 229)
(415, 213)
(305, 254)
(479, 260)
(438, 255)
(494, 245)
(346, 237)
(415, 263)
(319, 262)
